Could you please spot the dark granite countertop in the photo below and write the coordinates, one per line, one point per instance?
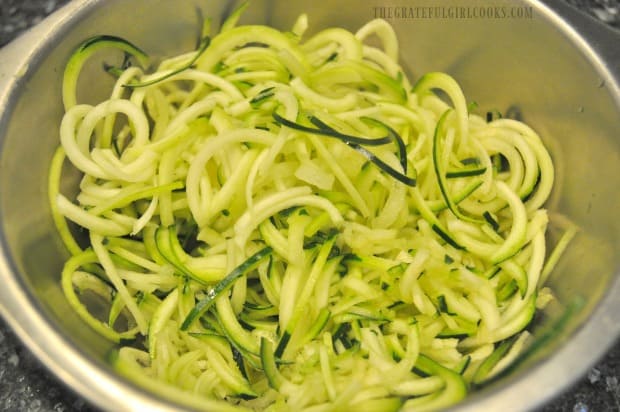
(25, 385)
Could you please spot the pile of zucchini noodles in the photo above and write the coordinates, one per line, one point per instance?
(278, 221)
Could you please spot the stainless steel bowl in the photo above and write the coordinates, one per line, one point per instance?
(559, 69)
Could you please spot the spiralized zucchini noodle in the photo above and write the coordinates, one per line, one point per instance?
(283, 221)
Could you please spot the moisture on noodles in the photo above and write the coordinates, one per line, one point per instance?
(284, 221)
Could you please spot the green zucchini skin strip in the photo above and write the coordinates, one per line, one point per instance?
(242, 35)
(402, 149)
(401, 177)
(203, 305)
(439, 173)
(465, 172)
(427, 214)
(353, 143)
(268, 362)
(325, 130)
(204, 44)
(442, 81)
(483, 370)
(306, 292)
(455, 388)
(84, 52)
(446, 237)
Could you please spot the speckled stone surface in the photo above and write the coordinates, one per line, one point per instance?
(25, 385)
